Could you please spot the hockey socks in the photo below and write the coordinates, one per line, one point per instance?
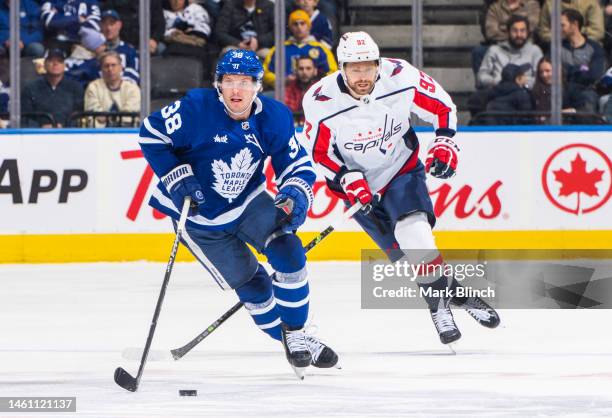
(259, 301)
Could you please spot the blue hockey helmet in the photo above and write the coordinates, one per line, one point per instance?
(240, 62)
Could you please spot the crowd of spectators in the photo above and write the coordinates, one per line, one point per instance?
(97, 40)
(513, 69)
(85, 51)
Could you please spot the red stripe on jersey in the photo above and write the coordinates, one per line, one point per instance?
(434, 106)
(321, 148)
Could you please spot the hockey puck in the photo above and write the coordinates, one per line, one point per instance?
(184, 392)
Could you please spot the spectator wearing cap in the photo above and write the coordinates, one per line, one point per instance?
(111, 28)
(518, 49)
(53, 93)
(590, 10)
(301, 43)
(582, 58)
(111, 93)
(84, 66)
(306, 75)
(321, 27)
(30, 29)
(69, 22)
(128, 10)
(511, 96)
(246, 24)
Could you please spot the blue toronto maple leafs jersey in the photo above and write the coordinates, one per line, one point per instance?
(61, 17)
(226, 156)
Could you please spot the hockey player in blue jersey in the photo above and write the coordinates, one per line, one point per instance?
(211, 146)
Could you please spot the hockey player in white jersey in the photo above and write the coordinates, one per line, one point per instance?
(358, 125)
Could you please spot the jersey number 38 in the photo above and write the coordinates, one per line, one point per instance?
(173, 120)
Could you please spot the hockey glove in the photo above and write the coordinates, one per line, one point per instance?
(356, 187)
(294, 200)
(442, 158)
(180, 183)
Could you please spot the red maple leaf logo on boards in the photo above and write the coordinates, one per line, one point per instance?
(588, 177)
(578, 180)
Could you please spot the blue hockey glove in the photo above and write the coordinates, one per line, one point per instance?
(180, 183)
(294, 198)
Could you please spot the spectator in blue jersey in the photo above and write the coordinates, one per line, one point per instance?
(246, 24)
(30, 29)
(53, 93)
(84, 66)
(301, 43)
(211, 146)
(111, 28)
(583, 59)
(321, 27)
(70, 22)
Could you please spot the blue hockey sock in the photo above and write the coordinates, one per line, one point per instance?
(259, 301)
(286, 255)
(292, 295)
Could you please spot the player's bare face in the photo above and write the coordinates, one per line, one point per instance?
(238, 92)
(361, 76)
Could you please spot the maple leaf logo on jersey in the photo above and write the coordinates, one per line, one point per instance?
(320, 97)
(397, 66)
(231, 180)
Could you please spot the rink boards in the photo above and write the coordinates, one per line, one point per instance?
(82, 195)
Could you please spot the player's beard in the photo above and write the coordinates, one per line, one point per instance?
(362, 87)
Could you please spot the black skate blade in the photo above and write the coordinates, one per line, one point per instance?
(125, 380)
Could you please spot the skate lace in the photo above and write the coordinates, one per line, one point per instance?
(296, 340)
(315, 347)
(478, 310)
(443, 320)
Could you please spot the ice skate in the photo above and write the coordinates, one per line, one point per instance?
(322, 355)
(478, 309)
(445, 324)
(296, 349)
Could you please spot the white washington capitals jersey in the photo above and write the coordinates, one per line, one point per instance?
(227, 156)
(373, 134)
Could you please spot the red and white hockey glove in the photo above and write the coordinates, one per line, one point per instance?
(356, 187)
(442, 158)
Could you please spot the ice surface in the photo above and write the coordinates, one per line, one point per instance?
(63, 329)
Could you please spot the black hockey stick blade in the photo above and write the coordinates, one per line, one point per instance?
(125, 380)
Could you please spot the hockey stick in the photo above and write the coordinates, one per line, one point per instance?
(123, 378)
(178, 353)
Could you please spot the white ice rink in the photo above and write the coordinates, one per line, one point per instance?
(63, 329)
